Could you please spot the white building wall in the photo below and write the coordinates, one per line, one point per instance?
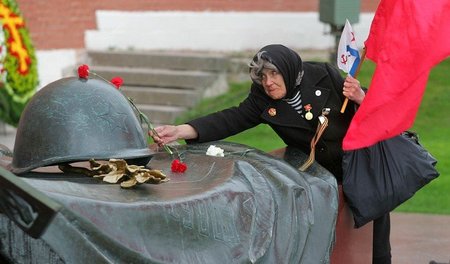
(198, 31)
(52, 62)
(213, 31)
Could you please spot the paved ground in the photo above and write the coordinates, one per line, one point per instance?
(420, 239)
(415, 238)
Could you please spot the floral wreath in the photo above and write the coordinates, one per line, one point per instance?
(18, 64)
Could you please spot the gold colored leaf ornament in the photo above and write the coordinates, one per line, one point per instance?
(118, 171)
(129, 183)
(134, 168)
(141, 177)
(113, 177)
(150, 176)
(118, 164)
(99, 167)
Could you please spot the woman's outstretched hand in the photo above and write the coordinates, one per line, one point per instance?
(169, 133)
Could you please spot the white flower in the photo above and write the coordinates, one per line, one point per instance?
(214, 151)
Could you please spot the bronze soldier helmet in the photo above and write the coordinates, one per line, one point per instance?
(76, 119)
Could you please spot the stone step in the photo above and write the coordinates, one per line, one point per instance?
(160, 60)
(160, 114)
(163, 84)
(162, 96)
(157, 77)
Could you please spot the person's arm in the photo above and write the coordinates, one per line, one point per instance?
(170, 133)
(218, 125)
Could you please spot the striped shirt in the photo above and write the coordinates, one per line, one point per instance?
(296, 102)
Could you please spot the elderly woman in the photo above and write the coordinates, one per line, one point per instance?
(289, 95)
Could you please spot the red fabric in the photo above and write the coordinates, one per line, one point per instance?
(406, 39)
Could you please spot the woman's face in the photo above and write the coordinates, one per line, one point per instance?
(273, 84)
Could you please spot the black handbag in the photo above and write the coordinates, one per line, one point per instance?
(379, 178)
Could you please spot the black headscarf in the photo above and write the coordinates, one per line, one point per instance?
(288, 63)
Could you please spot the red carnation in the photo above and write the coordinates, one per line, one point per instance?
(178, 166)
(117, 81)
(83, 71)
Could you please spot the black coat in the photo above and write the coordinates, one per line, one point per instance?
(321, 87)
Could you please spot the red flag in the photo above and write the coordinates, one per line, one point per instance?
(406, 39)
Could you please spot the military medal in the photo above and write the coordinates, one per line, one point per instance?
(318, 92)
(272, 111)
(308, 115)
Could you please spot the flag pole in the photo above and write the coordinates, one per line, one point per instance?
(363, 56)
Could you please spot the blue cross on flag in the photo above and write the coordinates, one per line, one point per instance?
(347, 53)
